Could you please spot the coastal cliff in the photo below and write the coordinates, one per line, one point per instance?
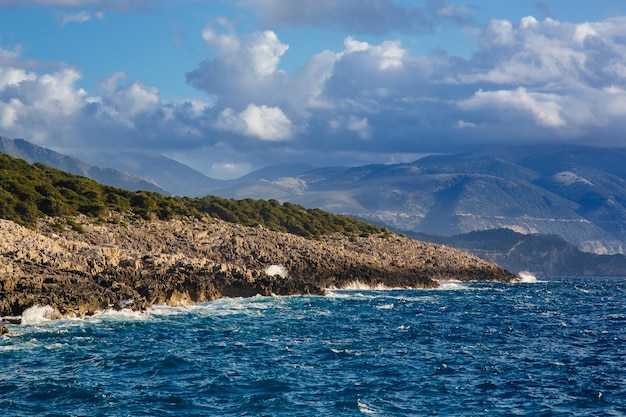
(130, 263)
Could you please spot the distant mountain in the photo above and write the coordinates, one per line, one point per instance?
(19, 148)
(176, 178)
(539, 254)
(576, 193)
(273, 172)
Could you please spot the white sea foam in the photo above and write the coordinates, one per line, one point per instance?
(361, 286)
(526, 276)
(279, 270)
(37, 314)
(124, 314)
(452, 285)
(364, 408)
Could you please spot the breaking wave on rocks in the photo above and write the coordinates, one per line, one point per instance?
(362, 286)
(38, 314)
(279, 270)
(527, 277)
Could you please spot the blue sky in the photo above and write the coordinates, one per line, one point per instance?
(230, 86)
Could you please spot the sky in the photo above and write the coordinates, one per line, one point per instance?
(231, 86)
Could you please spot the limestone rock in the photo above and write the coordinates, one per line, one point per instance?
(135, 264)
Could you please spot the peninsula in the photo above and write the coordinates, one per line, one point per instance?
(81, 247)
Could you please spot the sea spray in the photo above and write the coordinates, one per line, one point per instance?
(274, 270)
(38, 314)
(362, 286)
(526, 276)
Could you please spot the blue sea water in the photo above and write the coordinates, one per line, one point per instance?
(556, 347)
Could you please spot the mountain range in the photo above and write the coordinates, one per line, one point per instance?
(575, 193)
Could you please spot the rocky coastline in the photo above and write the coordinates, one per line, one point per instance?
(83, 266)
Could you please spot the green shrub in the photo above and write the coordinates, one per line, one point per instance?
(29, 192)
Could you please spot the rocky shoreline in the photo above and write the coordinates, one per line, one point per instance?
(127, 263)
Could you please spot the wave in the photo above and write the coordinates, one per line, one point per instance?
(362, 286)
(279, 270)
(451, 285)
(527, 277)
(364, 408)
(253, 306)
(38, 314)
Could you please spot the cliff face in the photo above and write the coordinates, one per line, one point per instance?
(138, 264)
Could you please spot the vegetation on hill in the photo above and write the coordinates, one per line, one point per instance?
(30, 192)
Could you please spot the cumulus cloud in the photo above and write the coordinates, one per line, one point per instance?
(35, 106)
(262, 122)
(544, 109)
(245, 69)
(50, 109)
(131, 99)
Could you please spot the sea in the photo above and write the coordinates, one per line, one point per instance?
(551, 346)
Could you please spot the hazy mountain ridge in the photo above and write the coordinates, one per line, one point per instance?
(22, 149)
(576, 193)
(173, 176)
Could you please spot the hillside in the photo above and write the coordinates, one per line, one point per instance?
(19, 148)
(31, 192)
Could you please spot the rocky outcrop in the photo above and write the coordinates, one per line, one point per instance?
(125, 263)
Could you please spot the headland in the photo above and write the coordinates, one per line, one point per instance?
(131, 263)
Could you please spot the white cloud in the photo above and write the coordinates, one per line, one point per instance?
(262, 122)
(544, 108)
(583, 31)
(38, 107)
(265, 51)
(259, 52)
(51, 110)
(549, 51)
(527, 80)
(8, 113)
(14, 76)
(360, 126)
(245, 69)
(387, 55)
(499, 32)
(130, 99)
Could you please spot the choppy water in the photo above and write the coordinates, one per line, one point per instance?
(552, 348)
